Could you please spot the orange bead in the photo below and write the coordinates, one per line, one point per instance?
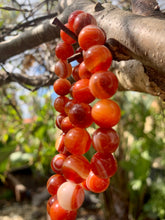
(81, 92)
(105, 140)
(103, 84)
(63, 50)
(75, 73)
(50, 202)
(91, 35)
(66, 125)
(58, 213)
(103, 165)
(106, 113)
(76, 168)
(54, 183)
(57, 163)
(96, 184)
(97, 58)
(59, 145)
(65, 37)
(62, 86)
(70, 196)
(82, 20)
(63, 69)
(72, 17)
(77, 141)
(83, 72)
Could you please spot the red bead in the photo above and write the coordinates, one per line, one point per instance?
(79, 50)
(50, 202)
(68, 105)
(72, 17)
(103, 84)
(63, 69)
(91, 35)
(103, 165)
(75, 73)
(76, 168)
(96, 184)
(66, 125)
(63, 50)
(59, 145)
(65, 37)
(80, 115)
(97, 58)
(77, 141)
(58, 213)
(84, 185)
(57, 163)
(81, 92)
(62, 86)
(105, 140)
(70, 196)
(54, 183)
(59, 119)
(83, 72)
(106, 113)
(82, 20)
(59, 104)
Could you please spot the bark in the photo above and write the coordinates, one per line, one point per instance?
(137, 37)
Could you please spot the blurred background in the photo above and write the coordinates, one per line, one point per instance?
(28, 134)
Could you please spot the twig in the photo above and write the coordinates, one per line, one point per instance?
(74, 57)
(57, 22)
(14, 9)
(30, 23)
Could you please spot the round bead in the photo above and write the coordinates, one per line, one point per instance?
(81, 92)
(72, 17)
(63, 69)
(82, 20)
(83, 72)
(91, 35)
(106, 113)
(59, 145)
(68, 105)
(80, 115)
(58, 213)
(76, 168)
(105, 140)
(97, 58)
(57, 163)
(59, 104)
(77, 141)
(96, 184)
(103, 84)
(50, 202)
(63, 50)
(66, 125)
(54, 183)
(65, 37)
(59, 119)
(103, 165)
(70, 196)
(75, 73)
(62, 86)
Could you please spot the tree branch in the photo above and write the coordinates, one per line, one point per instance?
(26, 80)
(123, 26)
(129, 36)
(146, 8)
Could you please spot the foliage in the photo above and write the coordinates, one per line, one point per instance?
(27, 141)
(143, 136)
